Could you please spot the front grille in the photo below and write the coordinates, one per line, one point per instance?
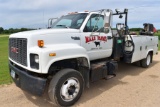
(18, 50)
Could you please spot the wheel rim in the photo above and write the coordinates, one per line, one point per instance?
(70, 89)
(148, 59)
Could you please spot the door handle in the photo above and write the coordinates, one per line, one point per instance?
(140, 48)
(109, 37)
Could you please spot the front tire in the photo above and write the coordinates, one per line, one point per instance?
(146, 62)
(66, 87)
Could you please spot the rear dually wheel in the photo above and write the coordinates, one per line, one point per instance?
(146, 62)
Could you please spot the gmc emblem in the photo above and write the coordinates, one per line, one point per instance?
(14, 50)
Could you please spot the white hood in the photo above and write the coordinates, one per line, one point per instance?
(44, 32)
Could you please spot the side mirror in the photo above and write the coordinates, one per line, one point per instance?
(106, 30)
(51, 21)
(97, 18)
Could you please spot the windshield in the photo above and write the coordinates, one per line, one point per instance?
(70, 21)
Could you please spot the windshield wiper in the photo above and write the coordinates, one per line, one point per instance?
(63, 26)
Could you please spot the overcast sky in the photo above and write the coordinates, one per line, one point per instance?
(35, 13)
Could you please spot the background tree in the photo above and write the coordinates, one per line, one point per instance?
(1, 30)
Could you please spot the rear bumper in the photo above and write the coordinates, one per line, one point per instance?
(27, 82)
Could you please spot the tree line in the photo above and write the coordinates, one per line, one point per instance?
(135, 29)
(12, 30)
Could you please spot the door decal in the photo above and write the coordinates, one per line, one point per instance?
(96, 40)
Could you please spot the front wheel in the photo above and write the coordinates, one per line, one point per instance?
(146, 62)
(66, 87)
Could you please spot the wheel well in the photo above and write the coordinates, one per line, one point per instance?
(58, 65)
(151, 52)
(80, 64)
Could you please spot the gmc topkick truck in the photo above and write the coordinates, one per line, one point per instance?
(79, 48)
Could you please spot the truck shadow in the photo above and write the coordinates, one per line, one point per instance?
(96, 88)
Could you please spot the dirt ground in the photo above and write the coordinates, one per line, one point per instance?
(132, 87)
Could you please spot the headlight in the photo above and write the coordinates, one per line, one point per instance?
(34, 61)
(36, 58)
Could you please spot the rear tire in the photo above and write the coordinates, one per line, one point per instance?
(146, 62)
(66, 87)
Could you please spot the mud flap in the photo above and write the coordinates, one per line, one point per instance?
(112, 68)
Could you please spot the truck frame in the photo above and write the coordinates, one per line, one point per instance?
(77, 49)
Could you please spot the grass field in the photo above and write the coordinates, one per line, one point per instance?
(3, 35)
(4, 71)
(158, 45)
(158, 34)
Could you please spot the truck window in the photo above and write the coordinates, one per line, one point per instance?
(95, 23)
(66, 22)
(70, 21)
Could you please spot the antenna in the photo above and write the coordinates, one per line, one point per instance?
(43, 18)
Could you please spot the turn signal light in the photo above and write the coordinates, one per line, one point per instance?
(52, 54)
(40, 43)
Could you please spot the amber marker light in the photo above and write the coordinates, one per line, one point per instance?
(40, 43)
(52, 54)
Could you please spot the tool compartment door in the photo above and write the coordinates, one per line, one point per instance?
(137, 48)
(143, 44)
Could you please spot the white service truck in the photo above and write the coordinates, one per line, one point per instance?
(79, 48)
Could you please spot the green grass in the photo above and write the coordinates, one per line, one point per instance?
(4, 71)
(3, 35)
(159, 46)
(158, 34)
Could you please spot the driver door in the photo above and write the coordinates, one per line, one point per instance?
(97, 43)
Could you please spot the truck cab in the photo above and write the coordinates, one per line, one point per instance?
(92, 35)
